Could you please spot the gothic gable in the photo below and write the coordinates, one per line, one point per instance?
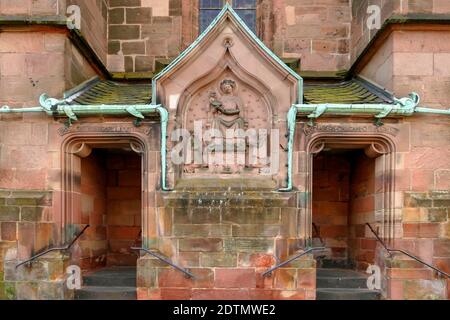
(228, 44)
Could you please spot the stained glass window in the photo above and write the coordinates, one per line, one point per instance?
(209, 9)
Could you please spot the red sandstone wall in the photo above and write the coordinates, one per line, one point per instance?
(32, 63)
(413, 60)
(343, 201)
(94, 243)
(362, 210)
(361, 35)
(418, 61)
(111, 204)
(124, 207)
(141, 31)
(94, 25)
(331, 197)
(138, 35)
(94, 16)
(327, 35)
(35, 62)
(32, 7)
(316, 31)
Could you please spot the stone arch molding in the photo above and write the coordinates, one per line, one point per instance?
(80, 145)
(380, 147)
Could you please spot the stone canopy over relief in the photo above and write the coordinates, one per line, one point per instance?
(228, 85)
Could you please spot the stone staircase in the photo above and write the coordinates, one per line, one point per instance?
(343, 284)
(114, 283)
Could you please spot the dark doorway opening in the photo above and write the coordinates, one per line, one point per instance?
(344, 196)
(111, 190)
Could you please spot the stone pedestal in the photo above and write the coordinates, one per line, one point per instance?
(228, 239)
(297, 281)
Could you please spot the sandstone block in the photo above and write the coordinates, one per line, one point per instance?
(218, 260)
(201, 244)
(235, 278)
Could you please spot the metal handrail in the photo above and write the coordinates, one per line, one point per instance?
(65, 248)
(390, 251)
(166, 260)
(282, 264)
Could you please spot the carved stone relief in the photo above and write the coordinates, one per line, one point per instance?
(228, 108)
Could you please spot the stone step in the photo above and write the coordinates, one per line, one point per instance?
(341, 278)
(343, 284)
(347, 294)
(112, 277)
(327, 263)
(339, 272)
(106, 293)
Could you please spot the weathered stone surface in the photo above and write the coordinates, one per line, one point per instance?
(285, 279)
(235, 278)
(33, 214)
(258, 260)
(138, 15)
(201, 244)
(9, 213)
(170, 278)
(199, 230)
(424, 290)
(254, 230)
(144, 63)
(27, 290)
(146, 276)
(134, 47)
(7, 291)
(124, 32)
(8, 231)
(52, 290)
(218, 260)
(116, 16)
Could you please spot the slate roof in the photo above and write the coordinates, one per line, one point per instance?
(110, 92)
(353, 91)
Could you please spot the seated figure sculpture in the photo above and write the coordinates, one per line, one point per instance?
(226, 113)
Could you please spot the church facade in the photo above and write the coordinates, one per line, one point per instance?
(225, 150)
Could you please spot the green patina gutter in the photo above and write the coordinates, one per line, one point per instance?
(404, 107)
(58, 108)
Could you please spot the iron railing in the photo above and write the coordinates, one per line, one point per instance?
(390, 251)
(166, 261)
(297, 256)
(65, 248)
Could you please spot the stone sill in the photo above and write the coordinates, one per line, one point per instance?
(33, 20)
